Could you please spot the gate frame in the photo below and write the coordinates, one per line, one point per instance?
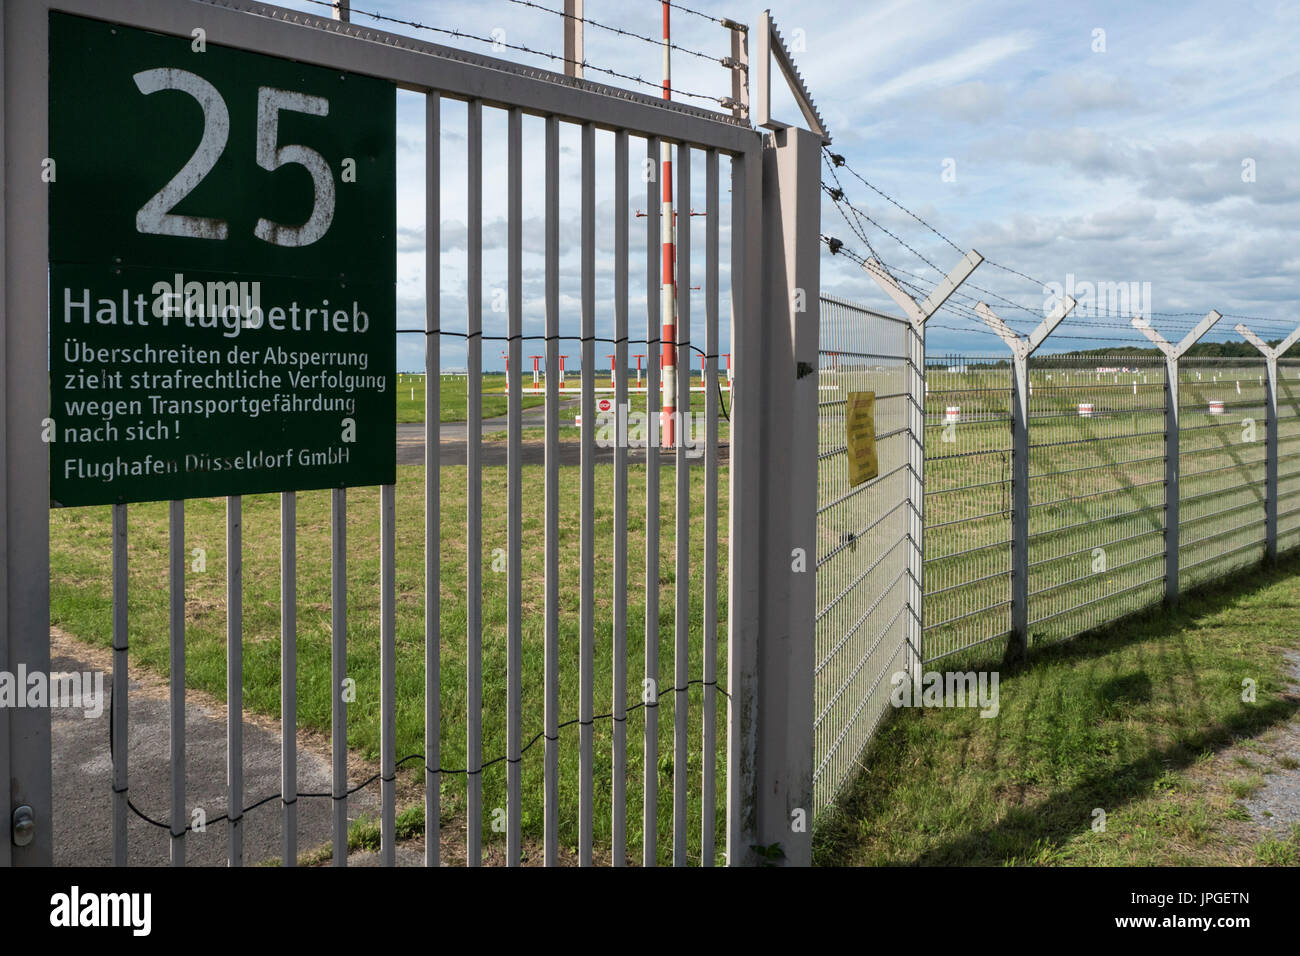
(759, 746)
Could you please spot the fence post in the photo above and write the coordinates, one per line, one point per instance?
(1172, 354)
(1021, 348)
(779, 408)
(573, 52)
(24, 456)
(917, 313)
(1271, 355)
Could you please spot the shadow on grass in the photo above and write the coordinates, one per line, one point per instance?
(1028, 832)
(1051, 821)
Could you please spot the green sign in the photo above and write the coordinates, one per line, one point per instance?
(222, 270)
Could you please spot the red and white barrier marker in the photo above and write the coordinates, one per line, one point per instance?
(1085, 409)
(952, 413)
(668, 293)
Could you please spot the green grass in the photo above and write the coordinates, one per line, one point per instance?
(81, 605)
(1126, 720)
(453, 399)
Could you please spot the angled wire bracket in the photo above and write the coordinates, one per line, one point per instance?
(1024, 346)
(769, 44)
(1267, 350)
(1176, 351)
(918, 312)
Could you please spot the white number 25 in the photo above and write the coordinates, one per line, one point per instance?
(155, 216)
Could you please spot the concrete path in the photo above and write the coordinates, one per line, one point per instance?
(82, 769)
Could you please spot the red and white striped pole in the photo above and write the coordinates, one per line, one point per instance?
(537, 370)
(638, 369)
(562, 358)
(613, 370)
(668, 294)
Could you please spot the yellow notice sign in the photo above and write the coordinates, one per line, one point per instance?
(860, 429)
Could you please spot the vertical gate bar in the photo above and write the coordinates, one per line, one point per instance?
(289, 678)
(650, 689)
(474, 490)
(1019, 644)
(1172, 439)
(118, 715)
(618, 794)
(744, 510)
(552, 521)
(914, 627)
(709, 670)
(6, 765)
(235, 678)
(339, 669)
(514, 568)
(682, 542)
(432, 479)
(176, 673)
(587, 545)
(387, 679)
(1270, 468)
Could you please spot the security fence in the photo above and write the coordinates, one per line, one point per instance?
(1099, 441)
(1288, 453)
(1223, 451)
(967, 503)
(1100, 444)
(1096, 493)
(863, 539)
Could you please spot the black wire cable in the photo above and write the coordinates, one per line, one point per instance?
(464, 772)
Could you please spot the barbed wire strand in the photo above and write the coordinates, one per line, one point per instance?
(618, 30)
(495, 43)
(835, 160)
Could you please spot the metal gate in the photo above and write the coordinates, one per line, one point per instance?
(773, 227)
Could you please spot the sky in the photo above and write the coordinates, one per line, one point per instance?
(1153, 145)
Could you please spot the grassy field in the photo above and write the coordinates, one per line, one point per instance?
(1145, 722)
(453, 399)
(80, 604)
(638, 404)
(453, 403)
